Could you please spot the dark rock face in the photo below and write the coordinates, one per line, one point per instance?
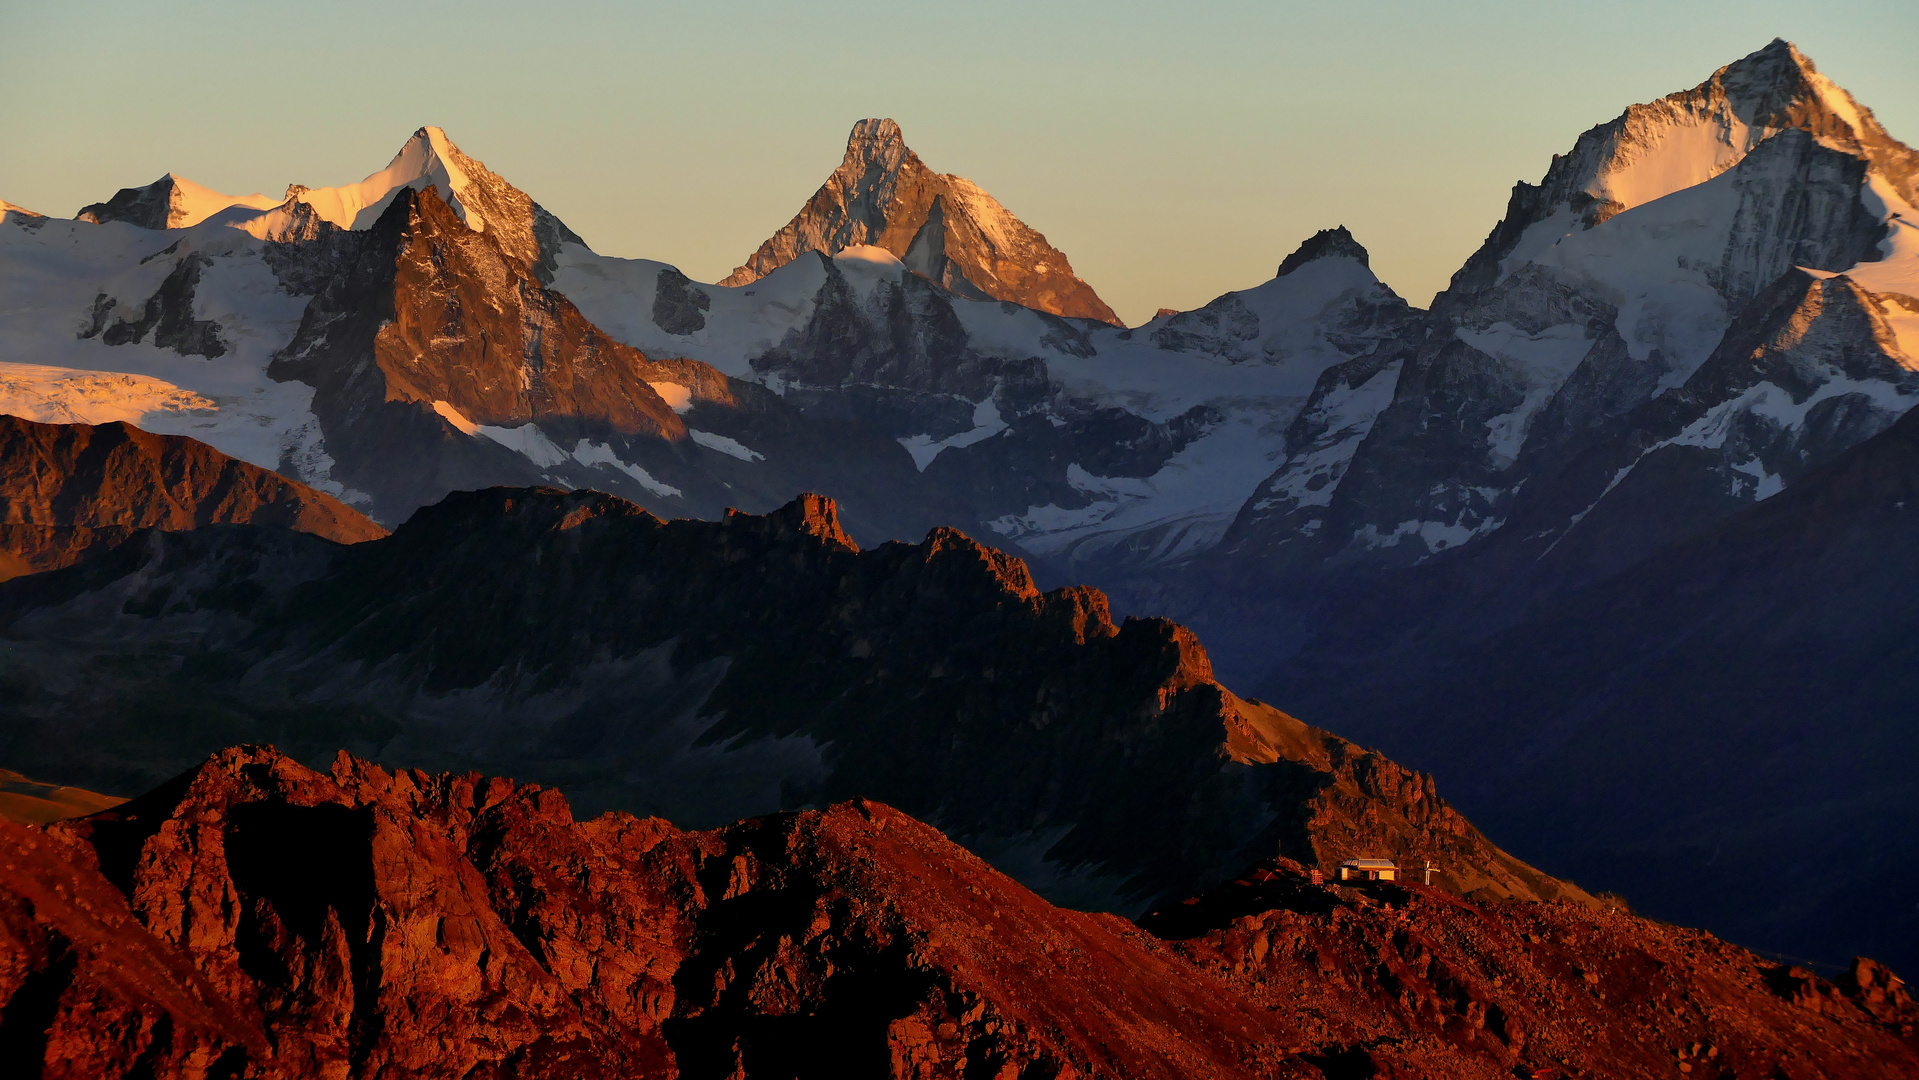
(66, 489)
(1715, 727)
(255, 918)
(1215, 328)
(1333, 243)
(678, 308)
(906, 335)
(704, 670)
(149, 207)
(943, 227)
(168, 314)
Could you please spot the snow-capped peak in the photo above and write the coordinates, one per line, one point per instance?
(171, 202)
(429, 158)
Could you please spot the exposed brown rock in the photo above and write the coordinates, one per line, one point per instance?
(943, 227)
(254, 918)
(287, 923)
(65, 488)
(1409, 980)
(423, 328)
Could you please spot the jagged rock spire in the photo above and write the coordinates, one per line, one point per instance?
(942, 226)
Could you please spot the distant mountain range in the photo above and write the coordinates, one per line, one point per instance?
(1417, 528)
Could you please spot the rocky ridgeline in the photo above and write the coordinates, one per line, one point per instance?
(68, 488)
(705, 671)
(254, 918)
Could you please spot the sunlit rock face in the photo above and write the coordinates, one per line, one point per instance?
(255, 917)
(68, 489)
(943, 227)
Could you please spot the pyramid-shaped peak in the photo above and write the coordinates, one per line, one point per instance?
(1333, 243)
(944, 228)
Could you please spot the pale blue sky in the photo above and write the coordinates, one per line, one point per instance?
(1173, 151)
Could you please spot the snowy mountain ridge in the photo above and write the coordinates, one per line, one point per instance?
(1300, 411)
(1609, 285)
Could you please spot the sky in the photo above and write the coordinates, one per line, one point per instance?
(1172, 151)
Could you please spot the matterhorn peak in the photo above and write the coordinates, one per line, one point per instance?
(944, 227)
(1333, 243)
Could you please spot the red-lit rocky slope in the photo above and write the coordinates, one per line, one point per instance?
(65, 488)
(253, 918)
(706, 671)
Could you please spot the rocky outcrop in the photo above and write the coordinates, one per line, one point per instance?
(1333, 243)
(943, 227)
(706, 670)
(1401, 979)
(66, 489)
(255, 918)
(149, 207)
(167, 314)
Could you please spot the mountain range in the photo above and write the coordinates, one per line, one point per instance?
(1604, 543)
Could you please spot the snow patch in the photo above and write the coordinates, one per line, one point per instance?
(592, 453)
(1437, 535)
(986, 424)
(455, 417)
(528, 441)
(1544, 360)
(724, 445)
(677, 397)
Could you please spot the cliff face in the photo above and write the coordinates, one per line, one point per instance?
(942, 227)
(65, 488)
(254, 918)
(709, 670)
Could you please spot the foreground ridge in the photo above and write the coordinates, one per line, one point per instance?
(256, 918)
